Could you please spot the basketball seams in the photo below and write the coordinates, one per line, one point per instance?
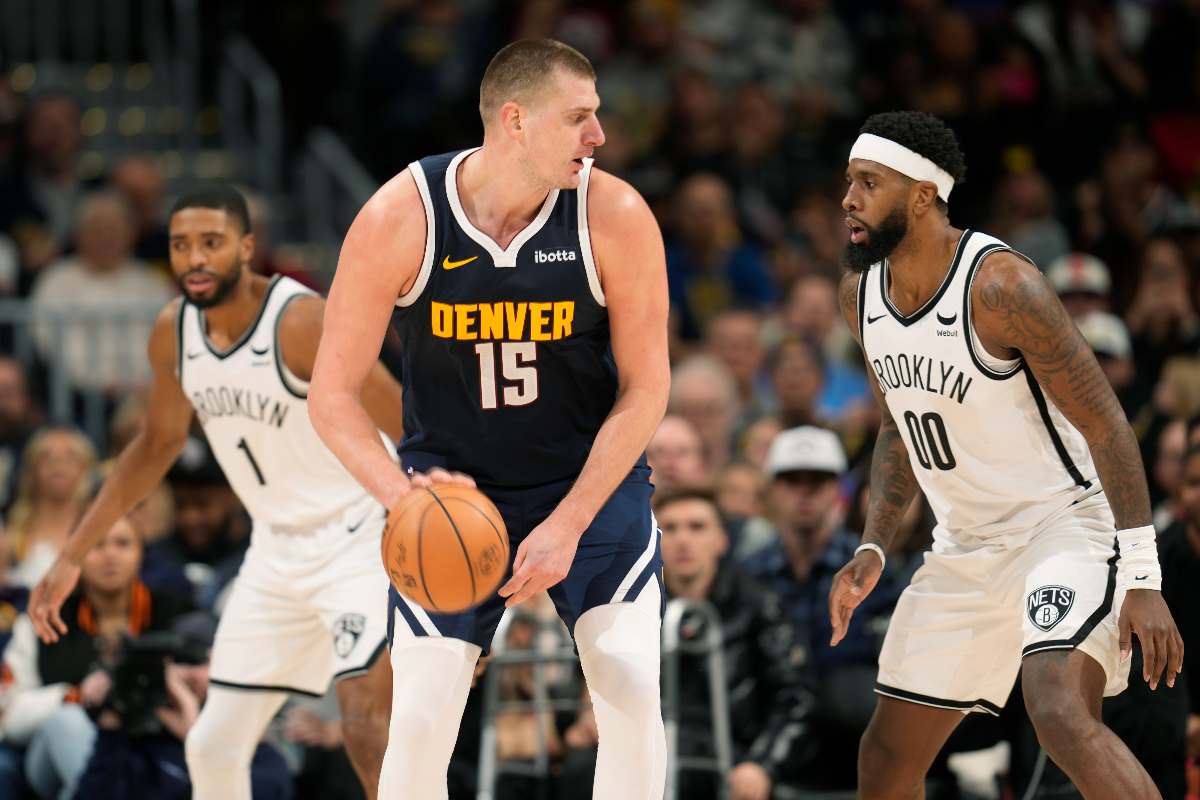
(420, 560)
(461, 543)
(486, 516)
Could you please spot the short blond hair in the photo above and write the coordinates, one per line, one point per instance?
(521, 70)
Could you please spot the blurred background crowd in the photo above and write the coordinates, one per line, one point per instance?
(1080, 120)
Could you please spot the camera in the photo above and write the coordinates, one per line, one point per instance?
(139, 680)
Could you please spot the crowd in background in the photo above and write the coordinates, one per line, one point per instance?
(1080, 121)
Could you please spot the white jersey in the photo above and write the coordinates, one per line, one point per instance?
(993, 454)
(255, 415)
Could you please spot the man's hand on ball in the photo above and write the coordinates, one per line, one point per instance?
(422, 480)
(543, 559)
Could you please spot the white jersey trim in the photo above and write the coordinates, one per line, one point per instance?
(501, 258)
(411, 296)
(908, 319)
(585, 236)
(290, 382)
(246, 334)
(996, 368)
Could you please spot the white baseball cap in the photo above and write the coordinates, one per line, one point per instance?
(1079, 272)
(1106, 334)
(806, 448)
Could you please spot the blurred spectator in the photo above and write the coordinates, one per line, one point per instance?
(1081, 281)
(699, 131)
(57, 473)
(210, 536)
(705, 394)
(138, 179)
(767, 663)
(764, 178)
(755, 441)
(804, 466)
(101, 277)
(151, 766)
(676, 454)
(812, 313)
(739, 496)
(38, 203)
(709, 268)
(420, 81)
(1024, 218)
(49, 687)
(1180, 556)
(10, 266)
(799, 375)
(1168, 472)
(806, 52)
(1107, 336)
(635, 85)
(734, 338)
(1162, 318)
(18, 420)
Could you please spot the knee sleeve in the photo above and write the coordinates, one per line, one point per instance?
(221, 745)
(619, 651)
(431, 677)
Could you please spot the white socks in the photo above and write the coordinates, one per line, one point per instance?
(431, 677)
(619, 648)
(221, 745)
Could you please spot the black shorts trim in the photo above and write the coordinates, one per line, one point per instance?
(1089, 625)
(262, 687)
(937, 702)
(355, 672)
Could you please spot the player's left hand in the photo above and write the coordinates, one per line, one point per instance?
(439, 475)
(542, 560)
(1145, 613)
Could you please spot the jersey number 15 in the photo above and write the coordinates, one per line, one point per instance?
(513, 357)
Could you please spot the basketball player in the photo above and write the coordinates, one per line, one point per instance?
(236, 352)
(529, 290)
(1044, 558)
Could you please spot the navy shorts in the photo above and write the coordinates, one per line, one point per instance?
(617, 554)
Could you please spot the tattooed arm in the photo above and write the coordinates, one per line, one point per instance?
(892, 488)
(1016, 311)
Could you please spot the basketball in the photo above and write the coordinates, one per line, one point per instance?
(445, 548)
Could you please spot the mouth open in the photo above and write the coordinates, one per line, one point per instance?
(858, 233)
(198, 283)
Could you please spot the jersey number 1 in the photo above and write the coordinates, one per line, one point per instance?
(512, 356)
(930, 441)
(245, 448)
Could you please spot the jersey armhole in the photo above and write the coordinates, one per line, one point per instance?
(995, 368)
(861, 304)
(585, 236)
(407, 299)
(179, 339)
(294, 385)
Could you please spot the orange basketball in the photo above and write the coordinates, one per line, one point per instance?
(445, 548)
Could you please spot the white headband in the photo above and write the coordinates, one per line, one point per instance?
(905, 161)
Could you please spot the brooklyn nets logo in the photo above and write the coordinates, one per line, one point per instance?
(346, 631)
(1048, 605)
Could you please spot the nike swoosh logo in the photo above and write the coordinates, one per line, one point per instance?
(448, 264)
(1142, 578)
(194, 355)
(359, 524)
(262, 352)
(872, 319)
(945, 321)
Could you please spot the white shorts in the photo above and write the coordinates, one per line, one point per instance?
(975, 609)
(306, 607)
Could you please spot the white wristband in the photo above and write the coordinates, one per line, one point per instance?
(877, 549)
(1139, 558)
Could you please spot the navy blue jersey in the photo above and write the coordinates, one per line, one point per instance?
(508, 366)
